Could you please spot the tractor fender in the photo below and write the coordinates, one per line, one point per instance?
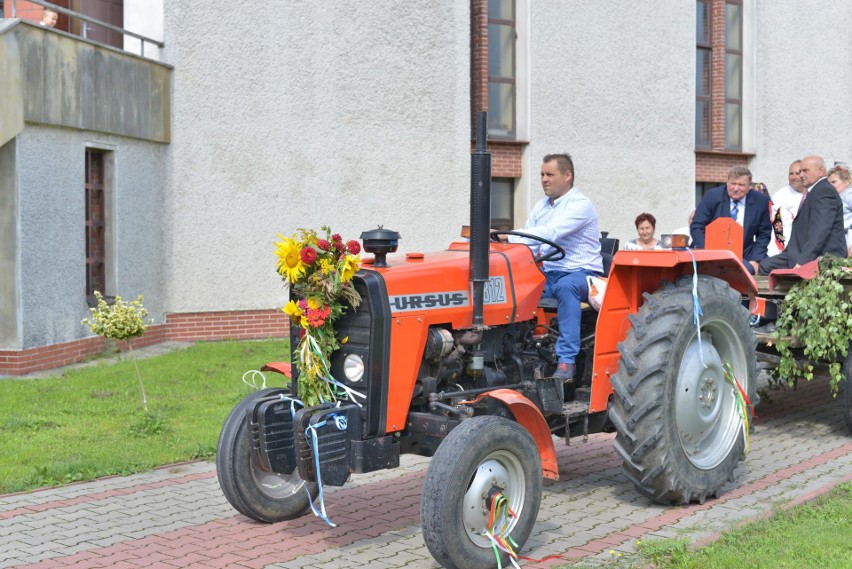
(528, 416)
(636, 273)
(283, 368)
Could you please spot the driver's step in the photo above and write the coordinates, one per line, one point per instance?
(576, 412)
(575, 409)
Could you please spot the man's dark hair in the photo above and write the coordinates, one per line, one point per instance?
(738, 172)
(563, 161)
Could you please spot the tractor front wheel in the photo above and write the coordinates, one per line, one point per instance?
(677, 411)
(486, 468)
(261, 495)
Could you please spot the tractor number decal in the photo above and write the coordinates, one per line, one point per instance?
(407, 302)
(495, 291)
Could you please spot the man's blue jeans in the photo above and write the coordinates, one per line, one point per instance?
(569, 290)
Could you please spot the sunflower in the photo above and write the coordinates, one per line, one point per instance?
(290, 263)
(292, 309)
(348, 266)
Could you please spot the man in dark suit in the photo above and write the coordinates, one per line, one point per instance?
(817, 227)
(749, 208)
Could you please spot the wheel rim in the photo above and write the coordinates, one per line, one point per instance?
(277, 486)
(706, 413)
(500, 470)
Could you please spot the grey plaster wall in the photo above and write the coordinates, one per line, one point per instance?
(9, 322)
(349, 114)
(803, 100)
(52, 229)
(615, 89)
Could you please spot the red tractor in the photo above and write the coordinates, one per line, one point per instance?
(454, 357)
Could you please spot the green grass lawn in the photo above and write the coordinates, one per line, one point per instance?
(817, 535)
(89, 421)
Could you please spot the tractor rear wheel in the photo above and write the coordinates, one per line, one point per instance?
(261, 495)
(480, 460)
(679, 423)
(846, 390)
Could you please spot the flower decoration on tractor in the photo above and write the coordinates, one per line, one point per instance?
(319, 272)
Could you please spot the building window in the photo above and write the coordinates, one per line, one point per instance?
(733, 75)
(502, 92)
(502, 203)
(702, 188)
(719, 65)
(95, 224)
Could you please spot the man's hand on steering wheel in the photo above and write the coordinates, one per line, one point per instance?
(557, 254)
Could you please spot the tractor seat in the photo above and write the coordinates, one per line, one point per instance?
(550, 304)
(609, 246)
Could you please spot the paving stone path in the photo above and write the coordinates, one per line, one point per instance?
(177, 516)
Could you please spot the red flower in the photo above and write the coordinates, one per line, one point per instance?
(324, 244)
(336, 237)
(354, 247)
(317, 316)
(308, 255)
(339, 246)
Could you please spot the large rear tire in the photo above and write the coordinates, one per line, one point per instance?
(481, 457)
(680, 433)
(846, 391)
(260, 495)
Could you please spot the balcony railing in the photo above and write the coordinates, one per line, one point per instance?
(86, 20)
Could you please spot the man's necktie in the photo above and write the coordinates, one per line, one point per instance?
(804, 195)
(735, 208)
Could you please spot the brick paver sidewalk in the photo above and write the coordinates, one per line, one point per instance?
(177, 516)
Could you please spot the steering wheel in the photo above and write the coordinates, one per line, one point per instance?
(556, 255)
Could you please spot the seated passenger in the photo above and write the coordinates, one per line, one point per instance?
(646, 224)
(818, 225)
(841, 179)
(747, 207)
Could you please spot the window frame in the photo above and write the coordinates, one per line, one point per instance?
(511, 132)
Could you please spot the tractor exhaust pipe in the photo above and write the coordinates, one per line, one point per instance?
(480, 217)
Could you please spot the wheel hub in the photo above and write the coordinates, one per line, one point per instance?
(708, 393)
(490, 478)
(704, 401)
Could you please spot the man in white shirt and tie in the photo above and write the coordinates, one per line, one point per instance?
(749, 208)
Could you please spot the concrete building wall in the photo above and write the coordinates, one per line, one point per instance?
(804, 86)
(302, 114)
(143, 17)
(9, 290)
(616, 91)
(52, 229)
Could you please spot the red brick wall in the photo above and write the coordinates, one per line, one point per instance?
(24, 10)
(478, 60)
(714, 166)
(505, 159)
(234, 325)
(238, 324)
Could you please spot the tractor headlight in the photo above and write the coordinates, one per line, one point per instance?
(353, 368)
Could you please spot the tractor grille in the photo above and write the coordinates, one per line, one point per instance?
(366, 330)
